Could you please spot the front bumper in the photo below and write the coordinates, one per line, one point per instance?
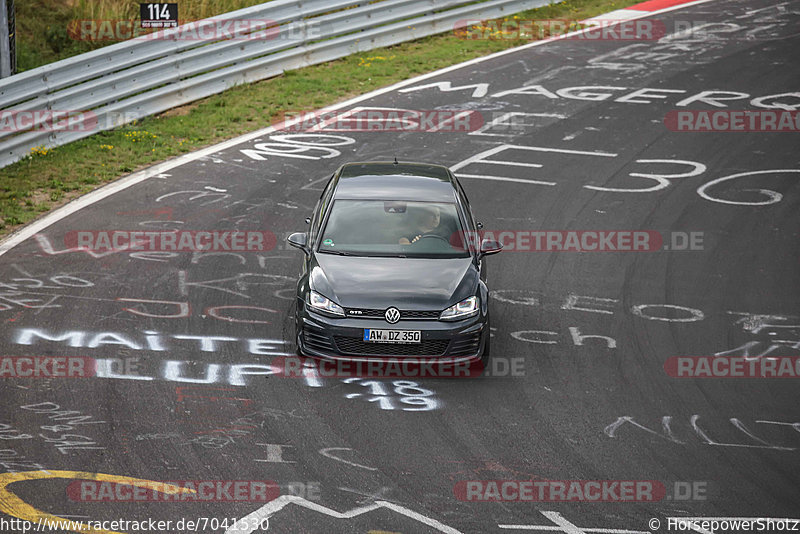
(330, 338)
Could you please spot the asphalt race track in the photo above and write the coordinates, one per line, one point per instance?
(183, 341)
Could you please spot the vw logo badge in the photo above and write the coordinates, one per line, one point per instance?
(392, 315)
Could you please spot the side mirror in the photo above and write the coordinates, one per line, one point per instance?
(308, 220)
(490, 246)
(479, 225)
(298, 240)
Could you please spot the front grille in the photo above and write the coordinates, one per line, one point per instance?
(419, 314)
(354, 345)
(375, 313)
(316, 339)
(466, 345)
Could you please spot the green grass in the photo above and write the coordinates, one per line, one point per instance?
(48, 178)
(42, 25)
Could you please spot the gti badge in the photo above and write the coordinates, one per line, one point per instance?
(392, 315)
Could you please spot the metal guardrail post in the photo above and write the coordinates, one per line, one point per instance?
(5, 43)
(12, 36)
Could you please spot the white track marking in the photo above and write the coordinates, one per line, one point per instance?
(327, 453)
(504, 179)
(269, 509)
(567, 527)
(614, 16)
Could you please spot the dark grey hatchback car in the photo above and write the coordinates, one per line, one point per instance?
(391, 269)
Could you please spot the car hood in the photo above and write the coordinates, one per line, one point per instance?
(406, 283)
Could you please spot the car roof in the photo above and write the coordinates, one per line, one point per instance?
(395, 181)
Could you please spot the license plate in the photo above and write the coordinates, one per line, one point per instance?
(392, 336)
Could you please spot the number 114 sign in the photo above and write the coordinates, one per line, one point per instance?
(158, 15)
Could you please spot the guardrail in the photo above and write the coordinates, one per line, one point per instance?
(119, 83)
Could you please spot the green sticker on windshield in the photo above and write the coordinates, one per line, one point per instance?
(328, 242)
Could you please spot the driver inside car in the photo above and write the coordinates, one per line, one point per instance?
(424, 221)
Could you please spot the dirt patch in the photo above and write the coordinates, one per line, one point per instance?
(179, 111)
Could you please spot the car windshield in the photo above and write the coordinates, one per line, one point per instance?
(393, 228)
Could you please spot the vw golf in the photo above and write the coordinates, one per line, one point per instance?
(390, 269)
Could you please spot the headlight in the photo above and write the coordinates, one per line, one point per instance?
(324, 305)
(462, 310)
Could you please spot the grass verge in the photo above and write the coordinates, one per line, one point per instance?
(43, 25)
(49, 178)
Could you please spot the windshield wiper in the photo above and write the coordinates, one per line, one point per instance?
(385, 255)
(337, 252)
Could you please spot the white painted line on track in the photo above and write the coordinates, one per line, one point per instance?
(619, 14)
(269, 509)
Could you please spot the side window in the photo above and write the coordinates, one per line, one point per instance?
(328, 187)
(319, 210)
(467, 210)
